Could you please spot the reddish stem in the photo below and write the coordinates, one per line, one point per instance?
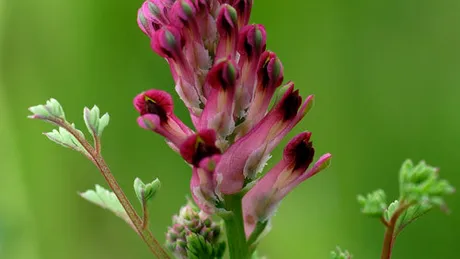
(390, 236)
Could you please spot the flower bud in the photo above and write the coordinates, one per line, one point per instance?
(227, 26)
(270, 71)
(223, 75)
(251, 45)
(269, 77)
(218, 112)
(194, 232)
(243, 8)
(252, 41)
(167, 42)
(152, 15)
(182, 12)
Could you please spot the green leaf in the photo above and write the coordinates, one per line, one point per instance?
(146, 192)
(107, 200)
(94, 122)
(52, 109)
(338, 253)
(411, 214)
(66, 139)
(389, 212)
(374, 204)
(421, 184)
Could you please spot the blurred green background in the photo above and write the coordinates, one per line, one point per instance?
(386, 75)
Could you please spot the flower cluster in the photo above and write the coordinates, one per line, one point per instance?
(227, 79)
(192, 224)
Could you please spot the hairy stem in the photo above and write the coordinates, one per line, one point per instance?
(145, 216)
(234, 226)
(390, 232)
(100, 163)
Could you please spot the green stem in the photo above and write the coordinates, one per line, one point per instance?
(234, 226)
(253, 238)
(100, 163)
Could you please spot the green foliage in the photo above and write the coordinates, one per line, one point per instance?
(374, 204)
(146, 192)
(94, 122)
(420, 190)
(338, 253)
(421, 184)
(66, 139)
(106, 200)
(390, 211)
(67, 135)
(411, 214)
(52, 109)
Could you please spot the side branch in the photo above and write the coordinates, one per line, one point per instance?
(100, 163)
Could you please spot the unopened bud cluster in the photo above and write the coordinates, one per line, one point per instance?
(193, 231)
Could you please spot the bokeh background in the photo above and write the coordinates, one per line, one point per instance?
(386, 75)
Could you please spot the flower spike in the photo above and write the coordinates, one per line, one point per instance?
(227, 79)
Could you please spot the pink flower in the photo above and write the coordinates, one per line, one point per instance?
(201, 152)
(261, 201)
(243, 160)
(227, 79)
(156, 111)
(227, 26)
(218, 112)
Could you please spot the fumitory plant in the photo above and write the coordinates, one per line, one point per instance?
(240, 109)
